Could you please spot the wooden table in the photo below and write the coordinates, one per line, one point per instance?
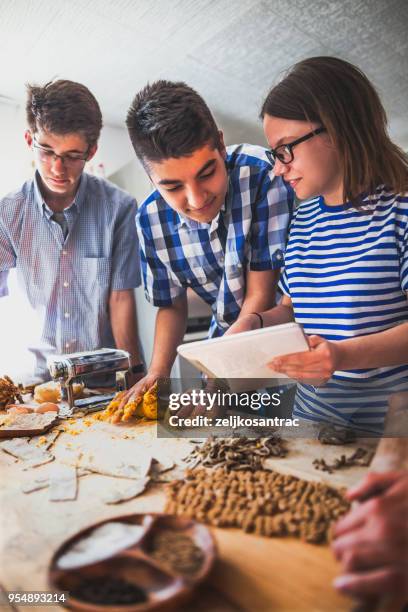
(254, 573)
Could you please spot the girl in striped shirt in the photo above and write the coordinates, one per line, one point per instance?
(346, 264)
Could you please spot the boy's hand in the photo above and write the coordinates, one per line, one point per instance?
(245, 323)
(145, 383)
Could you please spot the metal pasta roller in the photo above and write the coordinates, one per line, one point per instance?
(77, 367)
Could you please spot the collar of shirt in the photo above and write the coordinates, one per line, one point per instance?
(76, 203)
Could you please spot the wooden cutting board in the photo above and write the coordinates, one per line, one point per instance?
(269, 574)
(276, 574)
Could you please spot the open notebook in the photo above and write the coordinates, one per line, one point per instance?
(245, 355)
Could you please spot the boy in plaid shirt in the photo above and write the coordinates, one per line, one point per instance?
(217, 221)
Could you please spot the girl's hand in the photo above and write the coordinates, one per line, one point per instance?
(315, 366)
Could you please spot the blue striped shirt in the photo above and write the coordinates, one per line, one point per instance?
(68, 282)
(249, 232)
(346, 272)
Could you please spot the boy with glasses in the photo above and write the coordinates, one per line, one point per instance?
(216, 222)
(71, 236)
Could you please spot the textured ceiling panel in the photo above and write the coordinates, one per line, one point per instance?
(370, 33)
(181, 22)
(230, 51)
(257, 47)
(23, 22)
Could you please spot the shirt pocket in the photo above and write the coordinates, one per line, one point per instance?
(97, 271)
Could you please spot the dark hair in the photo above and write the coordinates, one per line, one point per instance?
(168, 119)
(339, 96)
(64, 107)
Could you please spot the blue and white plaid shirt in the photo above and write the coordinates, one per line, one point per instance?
(249, 232)
(68, 283)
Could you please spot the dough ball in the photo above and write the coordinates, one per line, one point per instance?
(48, 392)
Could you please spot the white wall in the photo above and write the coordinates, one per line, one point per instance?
(15, 168)
(16, 160)
(114, 150)
(134, 179)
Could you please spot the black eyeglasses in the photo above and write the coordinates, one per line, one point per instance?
(70, 160)
(285, 151)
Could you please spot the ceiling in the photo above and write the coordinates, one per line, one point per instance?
(231, 51)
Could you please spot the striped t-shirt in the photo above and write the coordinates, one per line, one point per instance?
(346, 272)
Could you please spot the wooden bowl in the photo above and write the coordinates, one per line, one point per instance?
(165, 588)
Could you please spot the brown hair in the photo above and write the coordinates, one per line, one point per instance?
(64, 107)
(338, 95)
(169, 119)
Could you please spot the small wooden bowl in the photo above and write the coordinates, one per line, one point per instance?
(164, 588)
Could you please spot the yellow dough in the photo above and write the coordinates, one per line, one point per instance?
(48, 392)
